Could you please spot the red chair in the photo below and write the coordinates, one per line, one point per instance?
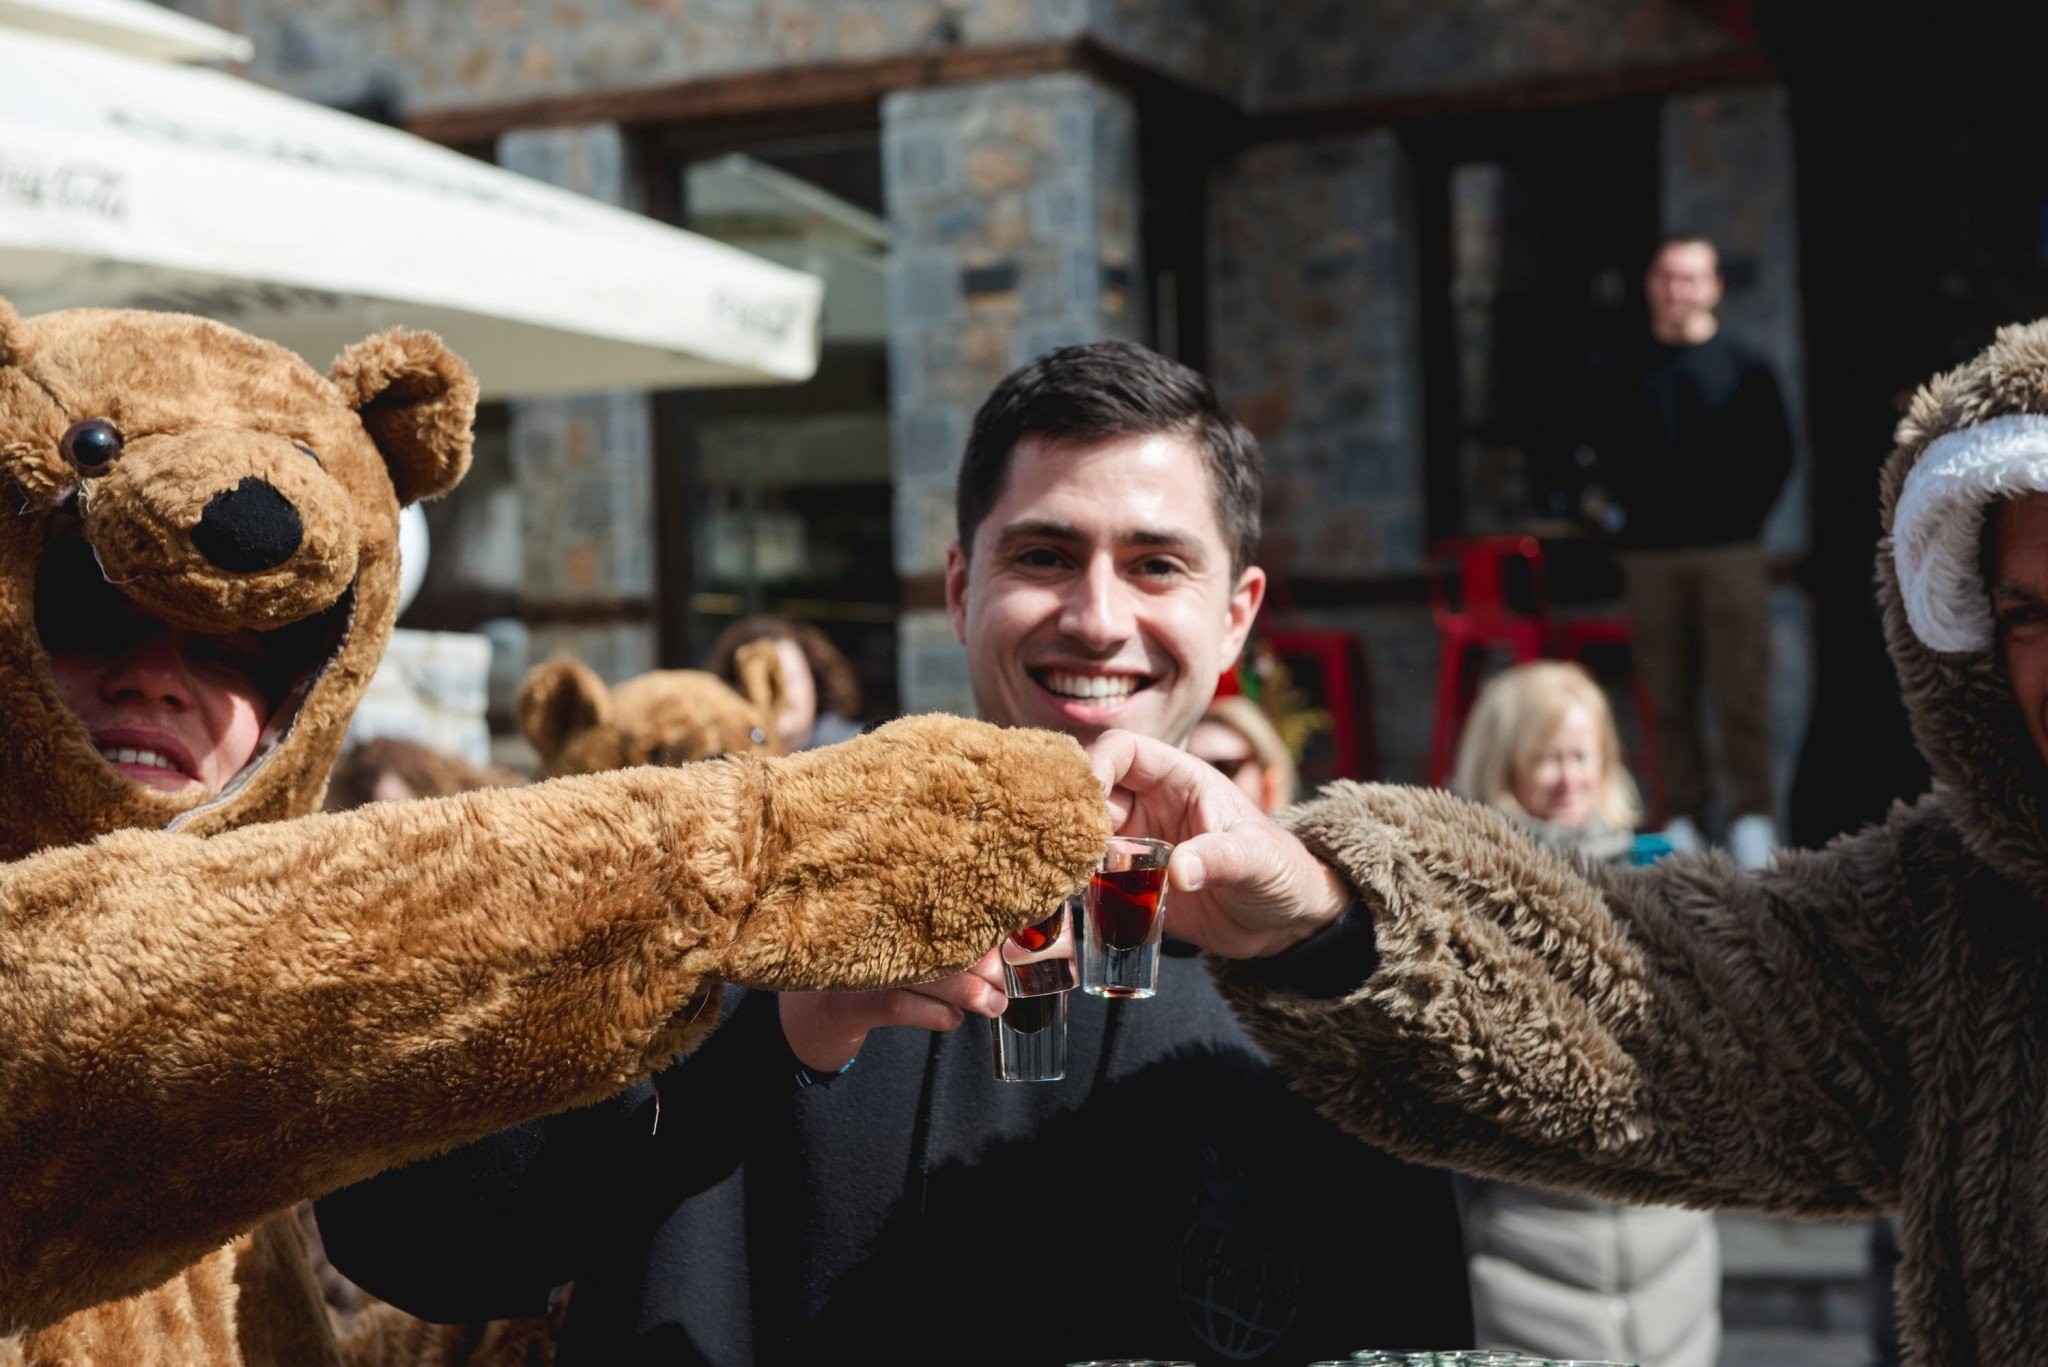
(1468, 597)
(1473, 598)
(1336, 657)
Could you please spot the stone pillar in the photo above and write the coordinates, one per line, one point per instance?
(1013, 214)
(1313, 344)
(1728, 173)
(584, 465)
(1313, 321)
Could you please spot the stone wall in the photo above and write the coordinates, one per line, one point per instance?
(1014, 230)
(1264, 54)
(1313, 345)
(439, 54)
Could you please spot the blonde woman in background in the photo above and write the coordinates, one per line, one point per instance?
(1552, 1273)
(1238, 738)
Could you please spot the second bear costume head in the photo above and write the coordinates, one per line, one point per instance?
(666, 716)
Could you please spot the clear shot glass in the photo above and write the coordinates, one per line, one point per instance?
(1030, 1039)
(1125, 913)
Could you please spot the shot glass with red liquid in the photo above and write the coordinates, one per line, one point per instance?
(1039, 959)
(1029, 1040)
(1125, 911)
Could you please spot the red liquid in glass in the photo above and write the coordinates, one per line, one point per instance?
(1124, 903)
(1029, 1015)
(1041, 935)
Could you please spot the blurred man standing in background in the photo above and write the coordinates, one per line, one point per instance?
(1694, 446)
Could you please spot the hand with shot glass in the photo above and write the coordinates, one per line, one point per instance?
(1240, 885)
(825, 1030)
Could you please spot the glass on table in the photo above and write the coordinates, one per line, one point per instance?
(1039, 959)
(1124, 916)
(1030, 1039)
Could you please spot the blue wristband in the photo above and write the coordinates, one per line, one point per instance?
(811, 1077)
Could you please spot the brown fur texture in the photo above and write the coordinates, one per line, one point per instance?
(212, 1011)
(1857, 1029)
(666, 716)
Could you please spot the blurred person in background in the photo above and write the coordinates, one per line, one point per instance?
(1694, 446)
(1566, 1275)
(1238, 738)
(822, 693)
(388, 769)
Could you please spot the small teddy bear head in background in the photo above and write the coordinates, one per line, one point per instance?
(667, 716)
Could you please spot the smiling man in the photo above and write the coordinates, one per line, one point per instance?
(1103, 574)
(875, 1192)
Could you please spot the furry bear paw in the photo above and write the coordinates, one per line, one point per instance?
(906, 853)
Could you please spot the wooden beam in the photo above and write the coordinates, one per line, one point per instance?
(746, 96)
(585, 612)
(1550, 92)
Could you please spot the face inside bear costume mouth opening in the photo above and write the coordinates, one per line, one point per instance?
(129, 677)
(202, 501)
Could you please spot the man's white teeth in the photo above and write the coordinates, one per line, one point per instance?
(124, 754)
(1094, 687)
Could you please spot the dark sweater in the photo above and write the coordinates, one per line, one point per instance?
(1170, 1197)
(1693, 442)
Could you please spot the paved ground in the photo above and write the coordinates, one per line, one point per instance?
(1794, 1294)
(1793, 1348)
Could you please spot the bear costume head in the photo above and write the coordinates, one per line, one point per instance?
(1972, 437)
(219, 484)
(665, 716)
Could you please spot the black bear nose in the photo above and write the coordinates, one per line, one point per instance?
(248, 528)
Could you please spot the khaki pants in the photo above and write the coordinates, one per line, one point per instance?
(1697, 618)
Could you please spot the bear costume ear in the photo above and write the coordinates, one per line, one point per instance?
(559, 699)
(758, 664)
(418, 400)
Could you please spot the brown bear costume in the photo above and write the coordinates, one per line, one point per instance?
(1855, 1030)
(665, 716)
(576, 725)
(212, 1009)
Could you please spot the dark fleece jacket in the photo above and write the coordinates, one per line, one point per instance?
(1854, 1030)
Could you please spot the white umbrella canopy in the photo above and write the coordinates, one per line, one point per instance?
(137, 26)
(134, 183)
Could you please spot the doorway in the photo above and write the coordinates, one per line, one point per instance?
(1532, 230)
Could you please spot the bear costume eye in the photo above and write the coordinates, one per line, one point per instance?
(92, 445)
(308, 452)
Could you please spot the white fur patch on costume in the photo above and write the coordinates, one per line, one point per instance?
(1939, 523)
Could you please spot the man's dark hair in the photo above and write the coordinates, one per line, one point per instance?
(1112, 389)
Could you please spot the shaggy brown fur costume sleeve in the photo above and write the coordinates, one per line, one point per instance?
(1682, 1033)
(203, 1030)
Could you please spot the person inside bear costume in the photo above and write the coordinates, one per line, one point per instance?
(215, 1004)
(1849, 1031)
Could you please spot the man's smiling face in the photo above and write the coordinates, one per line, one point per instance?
(1099, 592)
